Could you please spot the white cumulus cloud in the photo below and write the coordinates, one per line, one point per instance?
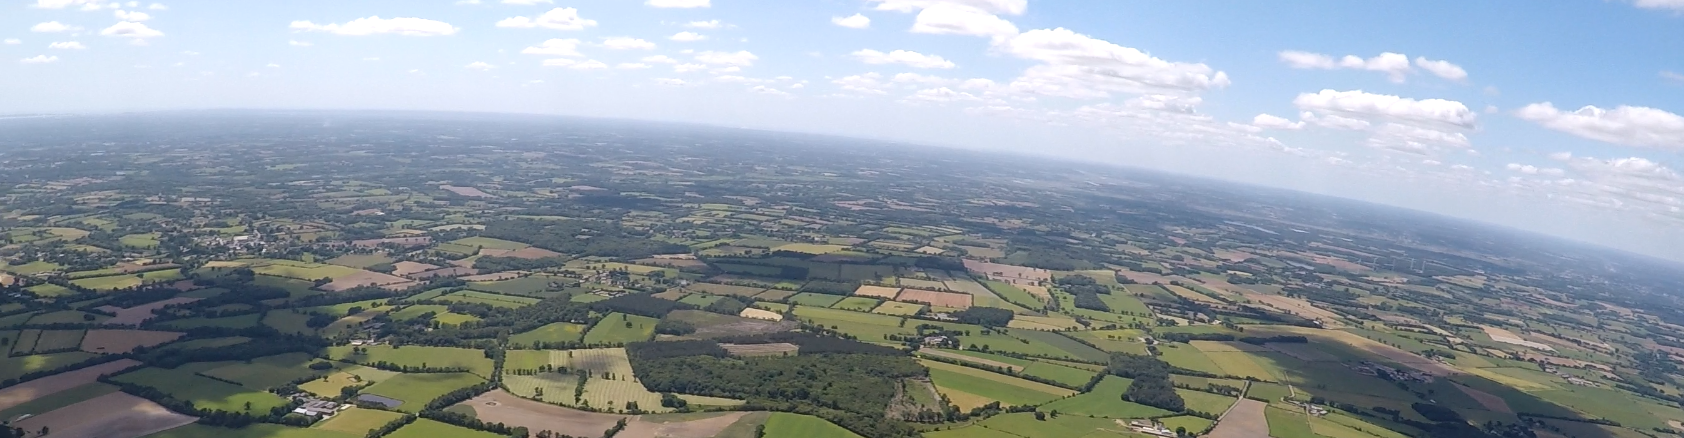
(130, 29)
(626, 43)
(1013, 7)
(132, 15)
(1394, 65)
(687, 37)
(1676, 5)
(709, 24)
(659, 59)
(297, 43)
(1442, 69)
(39, 59)
(1080, 66)
(13, 41)
(405, 26)
(589, 64)
(1358, 102)
(1268, 121)
(68, 45)
(959, 19)
(855, 21)
(632, 66)
(480, 65)
(527, 2)
(1625, 125)
(557, 19)
(554, 47)
(908, 58)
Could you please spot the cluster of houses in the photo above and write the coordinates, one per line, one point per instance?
(1576, 380)
(1382, 371)
(1310, 408)
(317, 408)
(1152, 428)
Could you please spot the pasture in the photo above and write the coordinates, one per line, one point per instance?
(970, 387)
(233, 322)
(441, 313)
(123, 341)
(857, 304)
(489, 243)
(1058, 373)
(415, 390)
(331, 384)
(357, 421)
(531, 286)
(553, 332)
(1287, 424)
(896, 308)
(412, 355)
(67, 317)
(287, 321)
(206, 393)
(300, 270)
(1104, 400)
(424, 428)
(782, 424)
(1205, 402)
(933, 298)
(814, 300)
(268, 372)
(359, 261)
(494, 300)
(142, 241)
(58, 340)
(620, 328)
(1024, 424)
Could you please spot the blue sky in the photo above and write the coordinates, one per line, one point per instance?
(1558, 117)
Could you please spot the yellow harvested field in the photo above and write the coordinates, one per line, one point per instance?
(114, 415)
(501, 407)
(26, 391)
(964, 400)
(887, 293)
(1297, 306)
(226, 264)
(124, 341)
(761, 314)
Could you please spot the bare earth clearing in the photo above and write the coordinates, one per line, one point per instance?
(114, 415)
(703, 428)
(761, 314)
(139, 314)
(41, 387)
(760, 349)
(501, 407)
(1243, 420)
(404, 268)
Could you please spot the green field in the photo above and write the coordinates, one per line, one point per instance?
(1058, 373)
(343, 309)
(416, 390)
(806, 426)
(124, 281)
(489, 243)
(34, 267)
(424, 428)
(620, 328)
(1013, 294)
(287, 321)
(258, 430)
(1287, 424)
(15, 366)
(435, 357)
(58, 340)
(896, 308)
(441, 313)
(524, 286)
(67, 317)
(331, 384)
(1190, 423)
(1024, 424)
(205, 393)
(489, 299)
(1206, 402)
(301, 270)
(1009, 391)
(357, 421)
(699, 299)
(814, 300)
(49, 290)
(1104, 400)
(1272, 392)
(236, 321)
(857, 304)
(1185, 356)
(553, 332)
(270, 371)
(359, 261)
(1239, 364)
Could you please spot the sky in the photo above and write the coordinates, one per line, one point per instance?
(1558, 117)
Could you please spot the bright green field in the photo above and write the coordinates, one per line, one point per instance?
(1206, 402)
(259, 430)
(1058, 373)
(621, 328)
(357, 421)
(857, 304)
(814, 300)
(1287, 424)
(515, 286)
(127, 280)
(424, 428)
(1009, 391)
(1024, 424)
(144, 241)
(413, 355)
(897, 308)
(1105, 400)
(489, 243)
(416, 390)
(489, 299)
(700, 300)
(49, 290)
(806, 426)
(1191, 423)
(269, 372)
(11, 367)
(554, 332)
(1013, 294)
(1186, 356)
(1273, 392)
(204, 392)
(288, 322)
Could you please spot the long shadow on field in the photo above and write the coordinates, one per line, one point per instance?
(1483, 400)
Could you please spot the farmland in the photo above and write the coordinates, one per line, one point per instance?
(822, 290)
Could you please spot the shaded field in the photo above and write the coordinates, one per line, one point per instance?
(416, 390)
(115, 415)
(205, 393)
(436, 357)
